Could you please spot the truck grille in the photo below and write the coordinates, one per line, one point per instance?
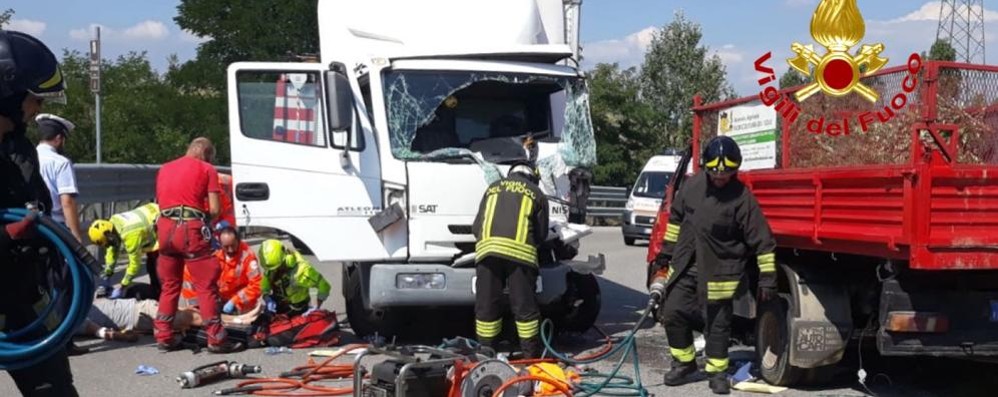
(459, 229)
(644, 220)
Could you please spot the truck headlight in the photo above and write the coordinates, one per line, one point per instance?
(629, 206)
(420, 281)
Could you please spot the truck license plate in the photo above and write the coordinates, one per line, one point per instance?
(994, 311)
(474, 284)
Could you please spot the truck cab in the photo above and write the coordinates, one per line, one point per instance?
(377, 156)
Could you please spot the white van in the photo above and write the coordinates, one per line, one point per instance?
(646, 196)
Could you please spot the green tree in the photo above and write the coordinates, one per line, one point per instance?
(144, 119)
(942, 50)
(623, 123)
(793, 78)
(245, 30)
(676, 68)
(5, 17)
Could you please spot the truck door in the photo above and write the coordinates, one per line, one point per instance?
(302, 162)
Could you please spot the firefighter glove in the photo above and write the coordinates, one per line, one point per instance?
(22, 229)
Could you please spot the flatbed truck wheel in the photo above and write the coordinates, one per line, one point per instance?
(364, 321)
(773, 344)
(581, 304)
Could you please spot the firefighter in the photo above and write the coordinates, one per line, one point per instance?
(29, 78)
(240, 281)
(715, 229)
(290, 284)
(512, 223)
(182, 187)
(135, 232)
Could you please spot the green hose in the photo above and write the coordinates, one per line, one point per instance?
(606, 384)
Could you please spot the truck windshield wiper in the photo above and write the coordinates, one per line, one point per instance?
(449, 158)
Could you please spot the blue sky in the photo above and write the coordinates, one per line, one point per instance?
(738, 31)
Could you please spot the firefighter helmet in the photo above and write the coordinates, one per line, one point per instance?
(27, 64)
(526, 169)
(721, 155)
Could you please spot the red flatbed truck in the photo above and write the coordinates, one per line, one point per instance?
(889, 234)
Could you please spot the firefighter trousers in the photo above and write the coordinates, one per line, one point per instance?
(492, 275)
(683, 312)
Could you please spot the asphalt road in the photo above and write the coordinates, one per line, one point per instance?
(109, 369)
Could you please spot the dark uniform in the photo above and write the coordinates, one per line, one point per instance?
(512, 222)
(25, 272)
(711, 236)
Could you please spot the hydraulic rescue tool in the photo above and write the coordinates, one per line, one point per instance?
(214, 372)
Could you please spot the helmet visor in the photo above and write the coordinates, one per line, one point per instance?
(53, 97)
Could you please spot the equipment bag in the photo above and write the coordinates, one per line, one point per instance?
(318, 329)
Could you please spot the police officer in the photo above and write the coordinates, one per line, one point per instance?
(715, 227)
(512, 222)
(29, 77)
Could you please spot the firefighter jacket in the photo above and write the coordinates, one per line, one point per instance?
(296, 282)
(721, 230)
(137, 229)
(512, 221)
(240, 280)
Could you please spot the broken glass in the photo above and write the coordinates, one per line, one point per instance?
(482, 117)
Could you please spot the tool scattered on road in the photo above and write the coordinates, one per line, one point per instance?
(214, 372)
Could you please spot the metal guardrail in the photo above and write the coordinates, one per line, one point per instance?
(107, 189)
(606, 201)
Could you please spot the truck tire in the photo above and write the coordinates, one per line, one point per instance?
(773, 344)
(364, 321)
(629, 241)
(581, 304)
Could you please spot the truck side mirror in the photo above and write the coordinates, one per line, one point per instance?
(340, 100)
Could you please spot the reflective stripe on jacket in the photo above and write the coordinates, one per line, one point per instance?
(137, 229)
(297, 283)
(240, 281)
(512, 221)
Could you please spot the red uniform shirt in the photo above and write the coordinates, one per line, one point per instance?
(186, 181)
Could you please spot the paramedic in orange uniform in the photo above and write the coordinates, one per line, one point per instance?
(239, 283)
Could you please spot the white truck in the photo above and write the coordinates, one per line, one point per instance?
(377, 156)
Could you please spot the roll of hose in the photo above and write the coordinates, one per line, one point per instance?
(35, 342)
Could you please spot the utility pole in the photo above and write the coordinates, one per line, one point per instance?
(961, 23)
(95, 84)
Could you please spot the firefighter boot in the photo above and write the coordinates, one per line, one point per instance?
(719, 383)
(532, 347)
(679, 372)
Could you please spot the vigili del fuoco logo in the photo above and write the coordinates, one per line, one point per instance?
(838, 26)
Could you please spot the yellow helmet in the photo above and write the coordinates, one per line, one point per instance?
(99, 231)
(271, 255)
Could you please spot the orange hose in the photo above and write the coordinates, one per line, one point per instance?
(283, 387)
(509, 383)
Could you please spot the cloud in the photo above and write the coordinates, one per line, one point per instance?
(188, 36)
(147, 30)
(34, 28)
(729, 55)
(628, 51)
(931, 11)
(143, 31)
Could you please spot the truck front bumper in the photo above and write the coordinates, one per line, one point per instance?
(383, 283)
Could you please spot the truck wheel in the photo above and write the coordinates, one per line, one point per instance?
(773, 344)
(582, 302)
(363, 321)
(629, 241)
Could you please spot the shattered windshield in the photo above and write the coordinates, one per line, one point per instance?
(486, 117)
